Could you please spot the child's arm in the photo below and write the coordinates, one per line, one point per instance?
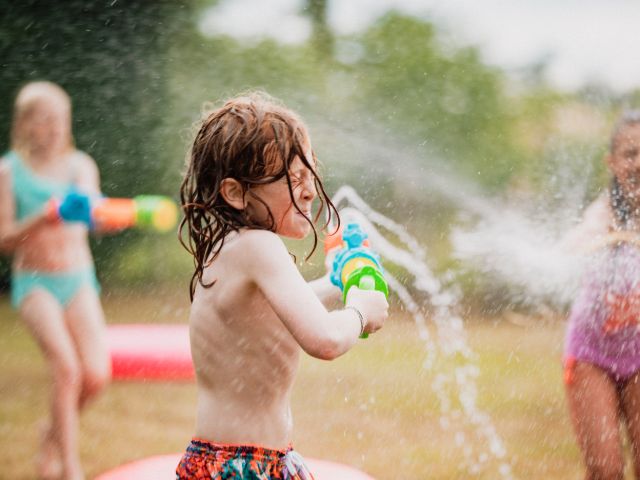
(88, 183)
(320, 333)
(13, 233)
(591, 229)
(327, 292)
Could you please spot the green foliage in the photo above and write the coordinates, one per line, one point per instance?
(110, 58)
(453, 101)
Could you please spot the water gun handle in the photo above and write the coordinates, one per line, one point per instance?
(367, 282)
(366, 278)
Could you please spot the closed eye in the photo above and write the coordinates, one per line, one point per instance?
(298, 179)
(631, 153)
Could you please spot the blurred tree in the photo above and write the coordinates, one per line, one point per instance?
(450, 100)
(322, 37)
(109, 56)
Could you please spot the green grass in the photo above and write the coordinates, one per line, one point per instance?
(373, 408)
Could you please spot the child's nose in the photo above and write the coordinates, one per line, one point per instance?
(309, 190)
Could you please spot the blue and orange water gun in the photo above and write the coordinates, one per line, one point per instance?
(355, 262)
(154, 212)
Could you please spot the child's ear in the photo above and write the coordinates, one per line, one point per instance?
(233, 193)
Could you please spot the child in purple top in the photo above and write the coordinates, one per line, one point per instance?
(602, 350)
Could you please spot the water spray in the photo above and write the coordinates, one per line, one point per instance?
(451, 342)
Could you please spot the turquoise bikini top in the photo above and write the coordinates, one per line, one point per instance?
(31, 191)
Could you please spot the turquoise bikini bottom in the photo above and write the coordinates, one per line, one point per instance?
(62, 285)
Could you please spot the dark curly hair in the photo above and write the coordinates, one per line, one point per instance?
(254, 140)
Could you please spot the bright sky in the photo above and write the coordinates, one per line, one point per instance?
(583, 40)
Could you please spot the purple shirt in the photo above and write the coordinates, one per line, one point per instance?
(603, 323)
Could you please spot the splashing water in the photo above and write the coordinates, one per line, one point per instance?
(520, 244)
(516, 246)
(456, 391)
(522, 253)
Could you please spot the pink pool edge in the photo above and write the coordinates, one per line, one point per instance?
(157, 352)
(163, 467)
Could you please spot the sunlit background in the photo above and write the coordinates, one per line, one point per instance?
(401, 97)
(479, 126)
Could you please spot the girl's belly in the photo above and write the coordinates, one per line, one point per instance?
(55, 249)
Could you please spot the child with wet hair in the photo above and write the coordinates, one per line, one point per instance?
(602, 349)
(53, 281)
(252, 177)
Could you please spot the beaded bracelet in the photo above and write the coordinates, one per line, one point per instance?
(360, 317)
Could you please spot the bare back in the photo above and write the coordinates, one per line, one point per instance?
(244, 356)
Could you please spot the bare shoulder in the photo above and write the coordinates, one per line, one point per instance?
(598, 214)
(260, 242)
(260, 248)
(5, 167)
(5, 171)
(84, 162)
(86, 172)
(7, 204)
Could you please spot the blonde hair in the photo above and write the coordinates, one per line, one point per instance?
(29, 97)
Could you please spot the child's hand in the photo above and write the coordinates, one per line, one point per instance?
(372, 305)
(52, 211)
(76, 207)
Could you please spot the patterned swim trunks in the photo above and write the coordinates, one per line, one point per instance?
(211, 461)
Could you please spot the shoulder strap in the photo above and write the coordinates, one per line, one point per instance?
(15, 163)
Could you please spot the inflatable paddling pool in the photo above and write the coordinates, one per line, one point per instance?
(150, 352)
(163, 467)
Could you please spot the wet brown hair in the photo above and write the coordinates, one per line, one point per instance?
(622, 207)
(254, 140)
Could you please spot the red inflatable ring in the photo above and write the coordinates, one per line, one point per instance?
(163, 467)
(150, 352)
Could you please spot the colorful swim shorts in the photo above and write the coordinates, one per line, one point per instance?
(211, 461)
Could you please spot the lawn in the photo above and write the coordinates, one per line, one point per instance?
(374, 408)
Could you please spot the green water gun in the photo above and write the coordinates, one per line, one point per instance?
(355, 263)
